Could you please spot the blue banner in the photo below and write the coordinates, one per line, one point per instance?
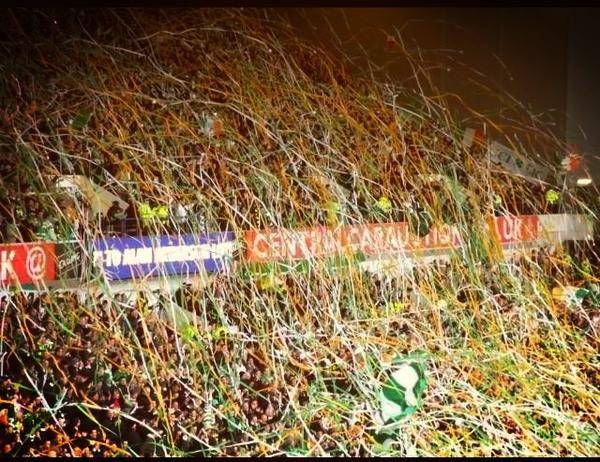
(130, 257)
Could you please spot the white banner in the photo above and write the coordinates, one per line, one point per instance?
(562, 227)
(515, 162)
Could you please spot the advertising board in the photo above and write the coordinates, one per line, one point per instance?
(515, 229)
(369, 239)
(131, 257)
(26, 263)
(373, 240)
(563, 227)
(69, 260)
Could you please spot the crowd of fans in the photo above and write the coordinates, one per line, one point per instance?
(26, 218)
(30, 211)
(297, 145)
(44, 373)
(69, 361)
(427, 203)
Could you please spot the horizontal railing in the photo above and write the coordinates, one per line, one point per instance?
(129, 257)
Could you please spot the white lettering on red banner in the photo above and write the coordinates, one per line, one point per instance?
(370, 239)
(516, 229)
(26, 263)
(373, 239)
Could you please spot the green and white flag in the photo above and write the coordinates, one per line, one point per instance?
(401, 394)
(399, 397)
(402, 390)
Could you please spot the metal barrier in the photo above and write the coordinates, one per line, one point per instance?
(130, 256)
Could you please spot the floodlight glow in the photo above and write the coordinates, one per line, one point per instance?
(584, 181)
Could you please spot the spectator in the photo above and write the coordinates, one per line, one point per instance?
(179, 213)
(116, 217)
(131, 220)
(3, 225)
(12, 232)
(200, 218)
(146, 215)
(162, 213)
(45, 231)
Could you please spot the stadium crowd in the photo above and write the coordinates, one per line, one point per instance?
(298, 144)
(26, 216)
(68, 361)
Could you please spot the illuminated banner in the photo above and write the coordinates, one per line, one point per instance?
(26, 263)
(512, 233)
(561, 227)
(516, 229)
(369, 239)
(374, 239)
(130, 257)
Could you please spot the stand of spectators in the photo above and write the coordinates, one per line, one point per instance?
(70, 361)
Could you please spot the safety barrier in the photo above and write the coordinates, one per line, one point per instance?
(129, 257)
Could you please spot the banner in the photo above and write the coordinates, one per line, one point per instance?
(515, 162)
(516, 229)
(372, 240)
(558, 228)
(26, 263)
(130, 257)
(69, 260)
(369, 239)
(506, 157)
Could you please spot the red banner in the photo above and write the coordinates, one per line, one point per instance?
(26, 263)
(372, 239)
(516, 229)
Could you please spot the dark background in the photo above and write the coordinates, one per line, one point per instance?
(546, 58)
